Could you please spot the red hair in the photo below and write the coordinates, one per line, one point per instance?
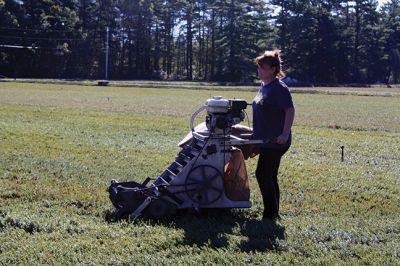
(272, 59)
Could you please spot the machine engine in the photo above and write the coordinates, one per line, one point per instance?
(222, 114)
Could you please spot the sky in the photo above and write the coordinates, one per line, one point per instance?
(381, 2)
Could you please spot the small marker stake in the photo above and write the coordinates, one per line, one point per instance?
(342, 147)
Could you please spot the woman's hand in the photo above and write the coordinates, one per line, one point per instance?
(282, 139)
(289, 117)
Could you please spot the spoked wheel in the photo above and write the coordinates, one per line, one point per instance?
(204, 184)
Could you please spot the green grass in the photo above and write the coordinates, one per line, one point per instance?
(60, 145)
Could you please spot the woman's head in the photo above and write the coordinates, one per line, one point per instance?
(271, 59)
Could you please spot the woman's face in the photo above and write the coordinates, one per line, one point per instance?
(266, 72)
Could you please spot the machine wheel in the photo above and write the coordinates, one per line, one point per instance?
(204, 184)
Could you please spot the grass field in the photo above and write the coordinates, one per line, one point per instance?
(60, 145)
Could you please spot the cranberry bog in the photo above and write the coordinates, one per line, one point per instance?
(61, 144)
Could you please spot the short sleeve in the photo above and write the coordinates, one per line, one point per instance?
(283, 97)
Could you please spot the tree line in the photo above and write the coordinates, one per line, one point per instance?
(321, 41)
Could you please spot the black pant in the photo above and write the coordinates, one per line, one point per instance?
(267, 178)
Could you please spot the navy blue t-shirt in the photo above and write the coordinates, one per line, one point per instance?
(268, 112)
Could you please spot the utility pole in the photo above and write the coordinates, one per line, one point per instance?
(107, 46)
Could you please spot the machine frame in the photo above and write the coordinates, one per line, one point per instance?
(195, 179)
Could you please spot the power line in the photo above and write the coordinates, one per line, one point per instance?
(35, 30)
(46, 38)
(51, 30)
(26, 47)
(49, 48)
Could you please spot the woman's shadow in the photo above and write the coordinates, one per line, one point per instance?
(215, 227)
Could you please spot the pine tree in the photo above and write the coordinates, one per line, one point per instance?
(391, 26)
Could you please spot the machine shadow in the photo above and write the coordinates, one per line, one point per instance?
(213, 228)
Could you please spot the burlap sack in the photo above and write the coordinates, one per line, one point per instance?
(236, 181)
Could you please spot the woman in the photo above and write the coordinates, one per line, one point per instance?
(273, 115)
